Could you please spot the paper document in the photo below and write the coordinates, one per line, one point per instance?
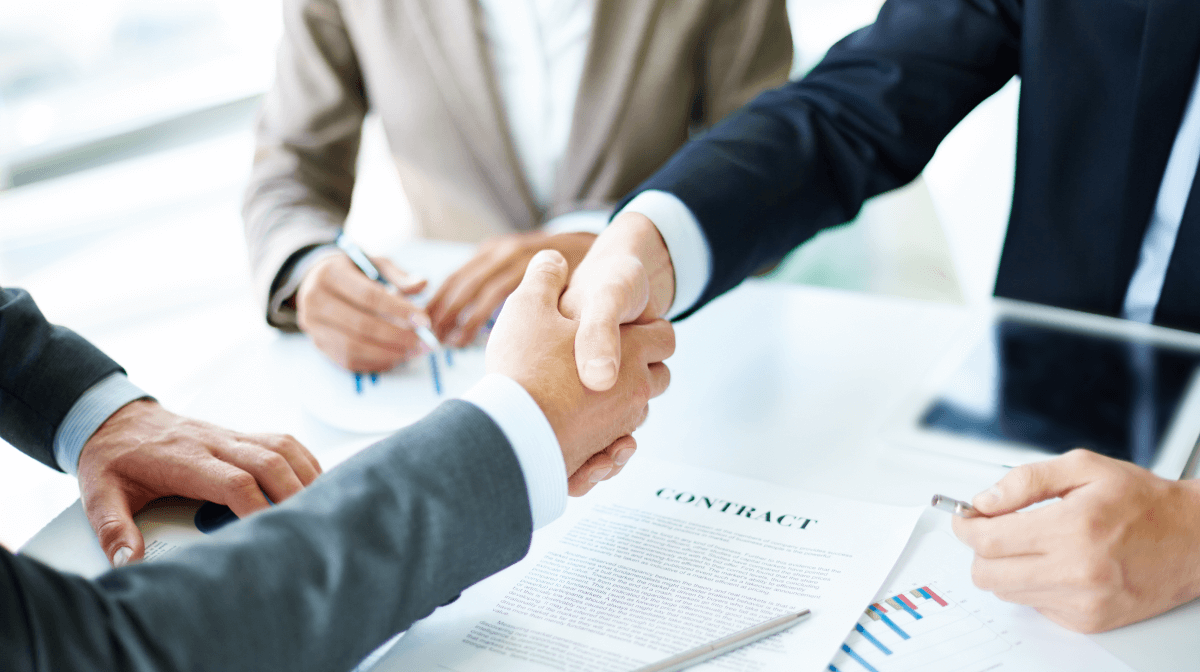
(399, 398)
(664, 558)
(930, 617)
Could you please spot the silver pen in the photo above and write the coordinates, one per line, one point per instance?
(424, 333)
(726, 644)
(960, 509)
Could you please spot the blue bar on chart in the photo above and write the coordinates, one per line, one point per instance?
(871, 638)
(858, 659)
(907, 606)
(888, 622)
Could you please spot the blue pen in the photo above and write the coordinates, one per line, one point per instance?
(424, 333)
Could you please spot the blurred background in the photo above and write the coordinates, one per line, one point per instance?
(126, 139)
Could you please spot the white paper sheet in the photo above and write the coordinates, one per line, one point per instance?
(399, 398)
(662, 559)
(961, 628)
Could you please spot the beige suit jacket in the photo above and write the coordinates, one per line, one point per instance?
(655, 71)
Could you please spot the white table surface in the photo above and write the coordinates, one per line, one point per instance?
(787, 384)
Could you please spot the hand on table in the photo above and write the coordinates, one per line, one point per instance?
(1123, 544)
(532, 343)
(356, 321)
(473, 293)
(627, 276)
(143, 452)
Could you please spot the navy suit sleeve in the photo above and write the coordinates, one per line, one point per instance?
(313, 584)
(866, 120)
(44, 369)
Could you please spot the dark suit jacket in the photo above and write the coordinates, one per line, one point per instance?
(315, 583)
(1104, 84)
(44, 369)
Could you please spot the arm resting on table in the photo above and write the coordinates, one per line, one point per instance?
(312, 584)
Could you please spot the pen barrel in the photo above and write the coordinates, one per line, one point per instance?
(725, 645)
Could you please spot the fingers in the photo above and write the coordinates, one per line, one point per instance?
(1011, 579)
(270, 470)
(1031, 483)
(111, 516)
(544, 281)
(619, 298)
(353, 319)
(601, 466)
(303, 463)
(1013, 534)
(224, 483)
(490, 298)
(463, 286)
(401, 279)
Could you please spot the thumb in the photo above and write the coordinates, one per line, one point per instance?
(619, 298)
(404, 281)
(110, 515)
(544, 281)
(1037, 481)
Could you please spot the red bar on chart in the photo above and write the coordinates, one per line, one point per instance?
(906, 601)
(935, 596)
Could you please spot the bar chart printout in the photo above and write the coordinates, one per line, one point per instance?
(920, 628)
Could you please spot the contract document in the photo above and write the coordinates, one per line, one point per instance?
(663, 558)
(930, 617)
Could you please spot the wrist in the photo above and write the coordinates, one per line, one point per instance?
(1187, 505)
(634, 234)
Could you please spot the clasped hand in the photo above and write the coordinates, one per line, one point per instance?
(533, 344)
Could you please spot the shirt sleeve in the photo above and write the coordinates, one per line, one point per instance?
(90, 411)
(294, 275)
(686, 244)
(532, 439)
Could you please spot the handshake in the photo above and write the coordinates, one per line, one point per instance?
(590, 354)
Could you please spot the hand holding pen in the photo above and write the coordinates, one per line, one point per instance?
(355, 321)
(418, 321)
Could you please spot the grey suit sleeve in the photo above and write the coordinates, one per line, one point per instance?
(44, 369)
(312, 584)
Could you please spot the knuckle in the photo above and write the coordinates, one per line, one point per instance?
(241, 481)
(1090, 614)
(271, 461)
(1021, 477)
(987, 546)
(108, 528)
(1095, 573)
(979, 575)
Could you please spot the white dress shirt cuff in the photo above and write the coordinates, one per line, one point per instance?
(580, 221)
(89, 412)
(292, 283)
(532, 439)
(685, 241)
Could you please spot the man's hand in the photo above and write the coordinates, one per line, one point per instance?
(627, 276)
(143, 452)
(356, 321)
(1122, 545)
(532, 343)
(473, 293)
